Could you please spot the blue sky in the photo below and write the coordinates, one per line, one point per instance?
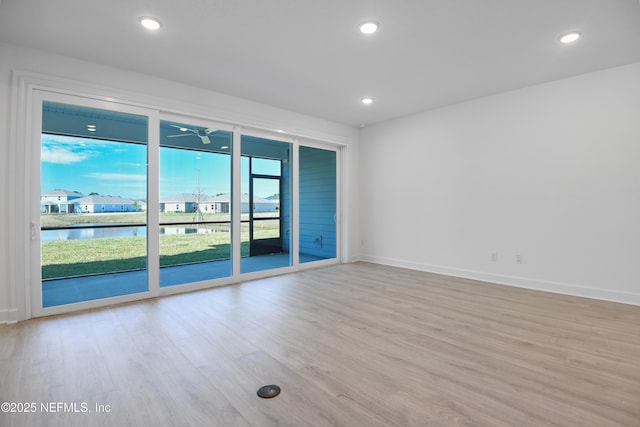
(119, 169)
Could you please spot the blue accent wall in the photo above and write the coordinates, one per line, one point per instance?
(317, 202)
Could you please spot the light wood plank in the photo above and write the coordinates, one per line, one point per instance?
(350, 345)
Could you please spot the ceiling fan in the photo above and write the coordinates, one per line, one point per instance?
(202, 133)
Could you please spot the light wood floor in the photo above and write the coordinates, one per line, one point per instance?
(350, 345)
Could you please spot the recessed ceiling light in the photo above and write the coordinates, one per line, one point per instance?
(367, 100)
(224, 147)
(150, 23)
(369, 27)
(570, 37)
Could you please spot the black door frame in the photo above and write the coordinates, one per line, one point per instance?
(269, 245)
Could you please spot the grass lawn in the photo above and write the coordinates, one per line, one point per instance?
(68, 258)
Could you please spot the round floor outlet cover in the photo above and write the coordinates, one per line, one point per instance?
(268, 391)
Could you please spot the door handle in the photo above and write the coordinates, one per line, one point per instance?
(34, 231)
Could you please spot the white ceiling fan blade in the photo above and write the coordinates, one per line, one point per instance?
(202, 133)
(182, 127)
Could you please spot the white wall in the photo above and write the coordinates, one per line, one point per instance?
(151, 91)
(550, 172)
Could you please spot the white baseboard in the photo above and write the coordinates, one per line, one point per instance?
(8, 315)
(520, 282)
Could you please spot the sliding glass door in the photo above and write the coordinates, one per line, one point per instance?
(93, 195)
(195, 202)
(317, 195)
(265, 204)
(127, 203)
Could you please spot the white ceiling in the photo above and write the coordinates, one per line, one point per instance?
(308, 56)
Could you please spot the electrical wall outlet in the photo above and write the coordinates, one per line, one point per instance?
(494, 256)
(518, 259)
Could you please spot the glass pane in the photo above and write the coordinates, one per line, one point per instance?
(92, 203)
(317, 195)
(266, 166)
(195, 203)
(266, 204)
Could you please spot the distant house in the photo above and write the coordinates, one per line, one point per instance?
(103, 204)
(275, 199)
(185, 202)
(57, 201)
(221, 203)
(259, 204)
(210, 205)
(141, 205)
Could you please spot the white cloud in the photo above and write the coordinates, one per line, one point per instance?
(67, 150)
(64, 155)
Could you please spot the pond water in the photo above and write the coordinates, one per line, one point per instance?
(124, 231)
